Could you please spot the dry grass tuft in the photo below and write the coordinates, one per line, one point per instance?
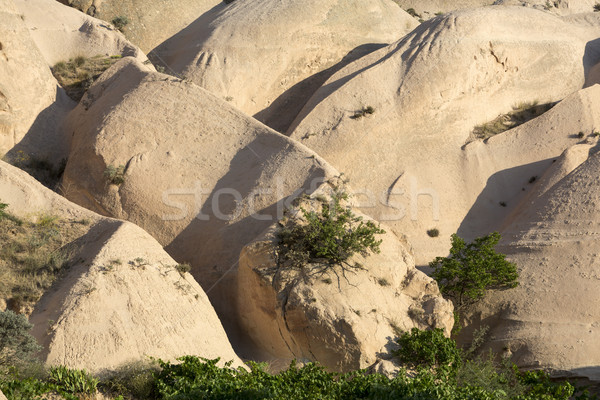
(79, 73)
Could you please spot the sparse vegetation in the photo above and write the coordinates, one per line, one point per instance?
(183, 268)
(328, 237)
(596, 7)
(472, 269)
(383, 282)
(30, 256)
(363, 112)
(433, 232)
(120, 22)
(521, 113)
(78, 74)
(115, 175)
(413, 13)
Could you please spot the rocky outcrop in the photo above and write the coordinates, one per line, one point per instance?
(27, 87)
(550, 319)
(428, 91)
(196, 173)
(150, 21)
(342, 317)
(122, 297)
(267, 58)
(61, 32)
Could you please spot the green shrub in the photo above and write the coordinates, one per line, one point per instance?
(183, 268)
(433, 232)
(17, 346)
(473, 268)
(428, 349)
(115, 175)
(120, 22)
(329, 237)
(72, 381)
(596, 7)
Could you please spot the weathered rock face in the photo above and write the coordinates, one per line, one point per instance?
(427, 96)
(267, 57)
(429, 8)
(122, 299)
(200, 176)
(27, 87)
(342, 319)
(125, 300)
(150, 21)
(550, 320)
(61, 32)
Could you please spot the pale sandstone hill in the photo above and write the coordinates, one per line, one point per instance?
(429, 8)
(61, 32)
(551, 319)
(122, 298)
(150, 21)
(28, 90)
(199, 175)
(267, 57)
(428, 91)
(346, 321)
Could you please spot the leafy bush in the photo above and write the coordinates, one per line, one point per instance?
(72, 380)
(428, 349)
(17, 346)
(473, 268)
(329, 237)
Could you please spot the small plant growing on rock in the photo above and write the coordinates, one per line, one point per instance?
(471, 269)
(363, 112)
(183, 268)
(120, 22)
(328, 238)
(115, 175)
(433, 232)
(596, 7)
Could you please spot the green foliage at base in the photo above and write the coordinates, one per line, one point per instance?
(17, 346)
(471, 269)
(72, 380)
(428, 349)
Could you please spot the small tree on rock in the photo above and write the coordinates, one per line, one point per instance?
(473, 268)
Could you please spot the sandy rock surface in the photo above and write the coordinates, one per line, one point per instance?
(150, 21)
(427, 93)
(267, 57)
(550, 320)
(61, 32)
